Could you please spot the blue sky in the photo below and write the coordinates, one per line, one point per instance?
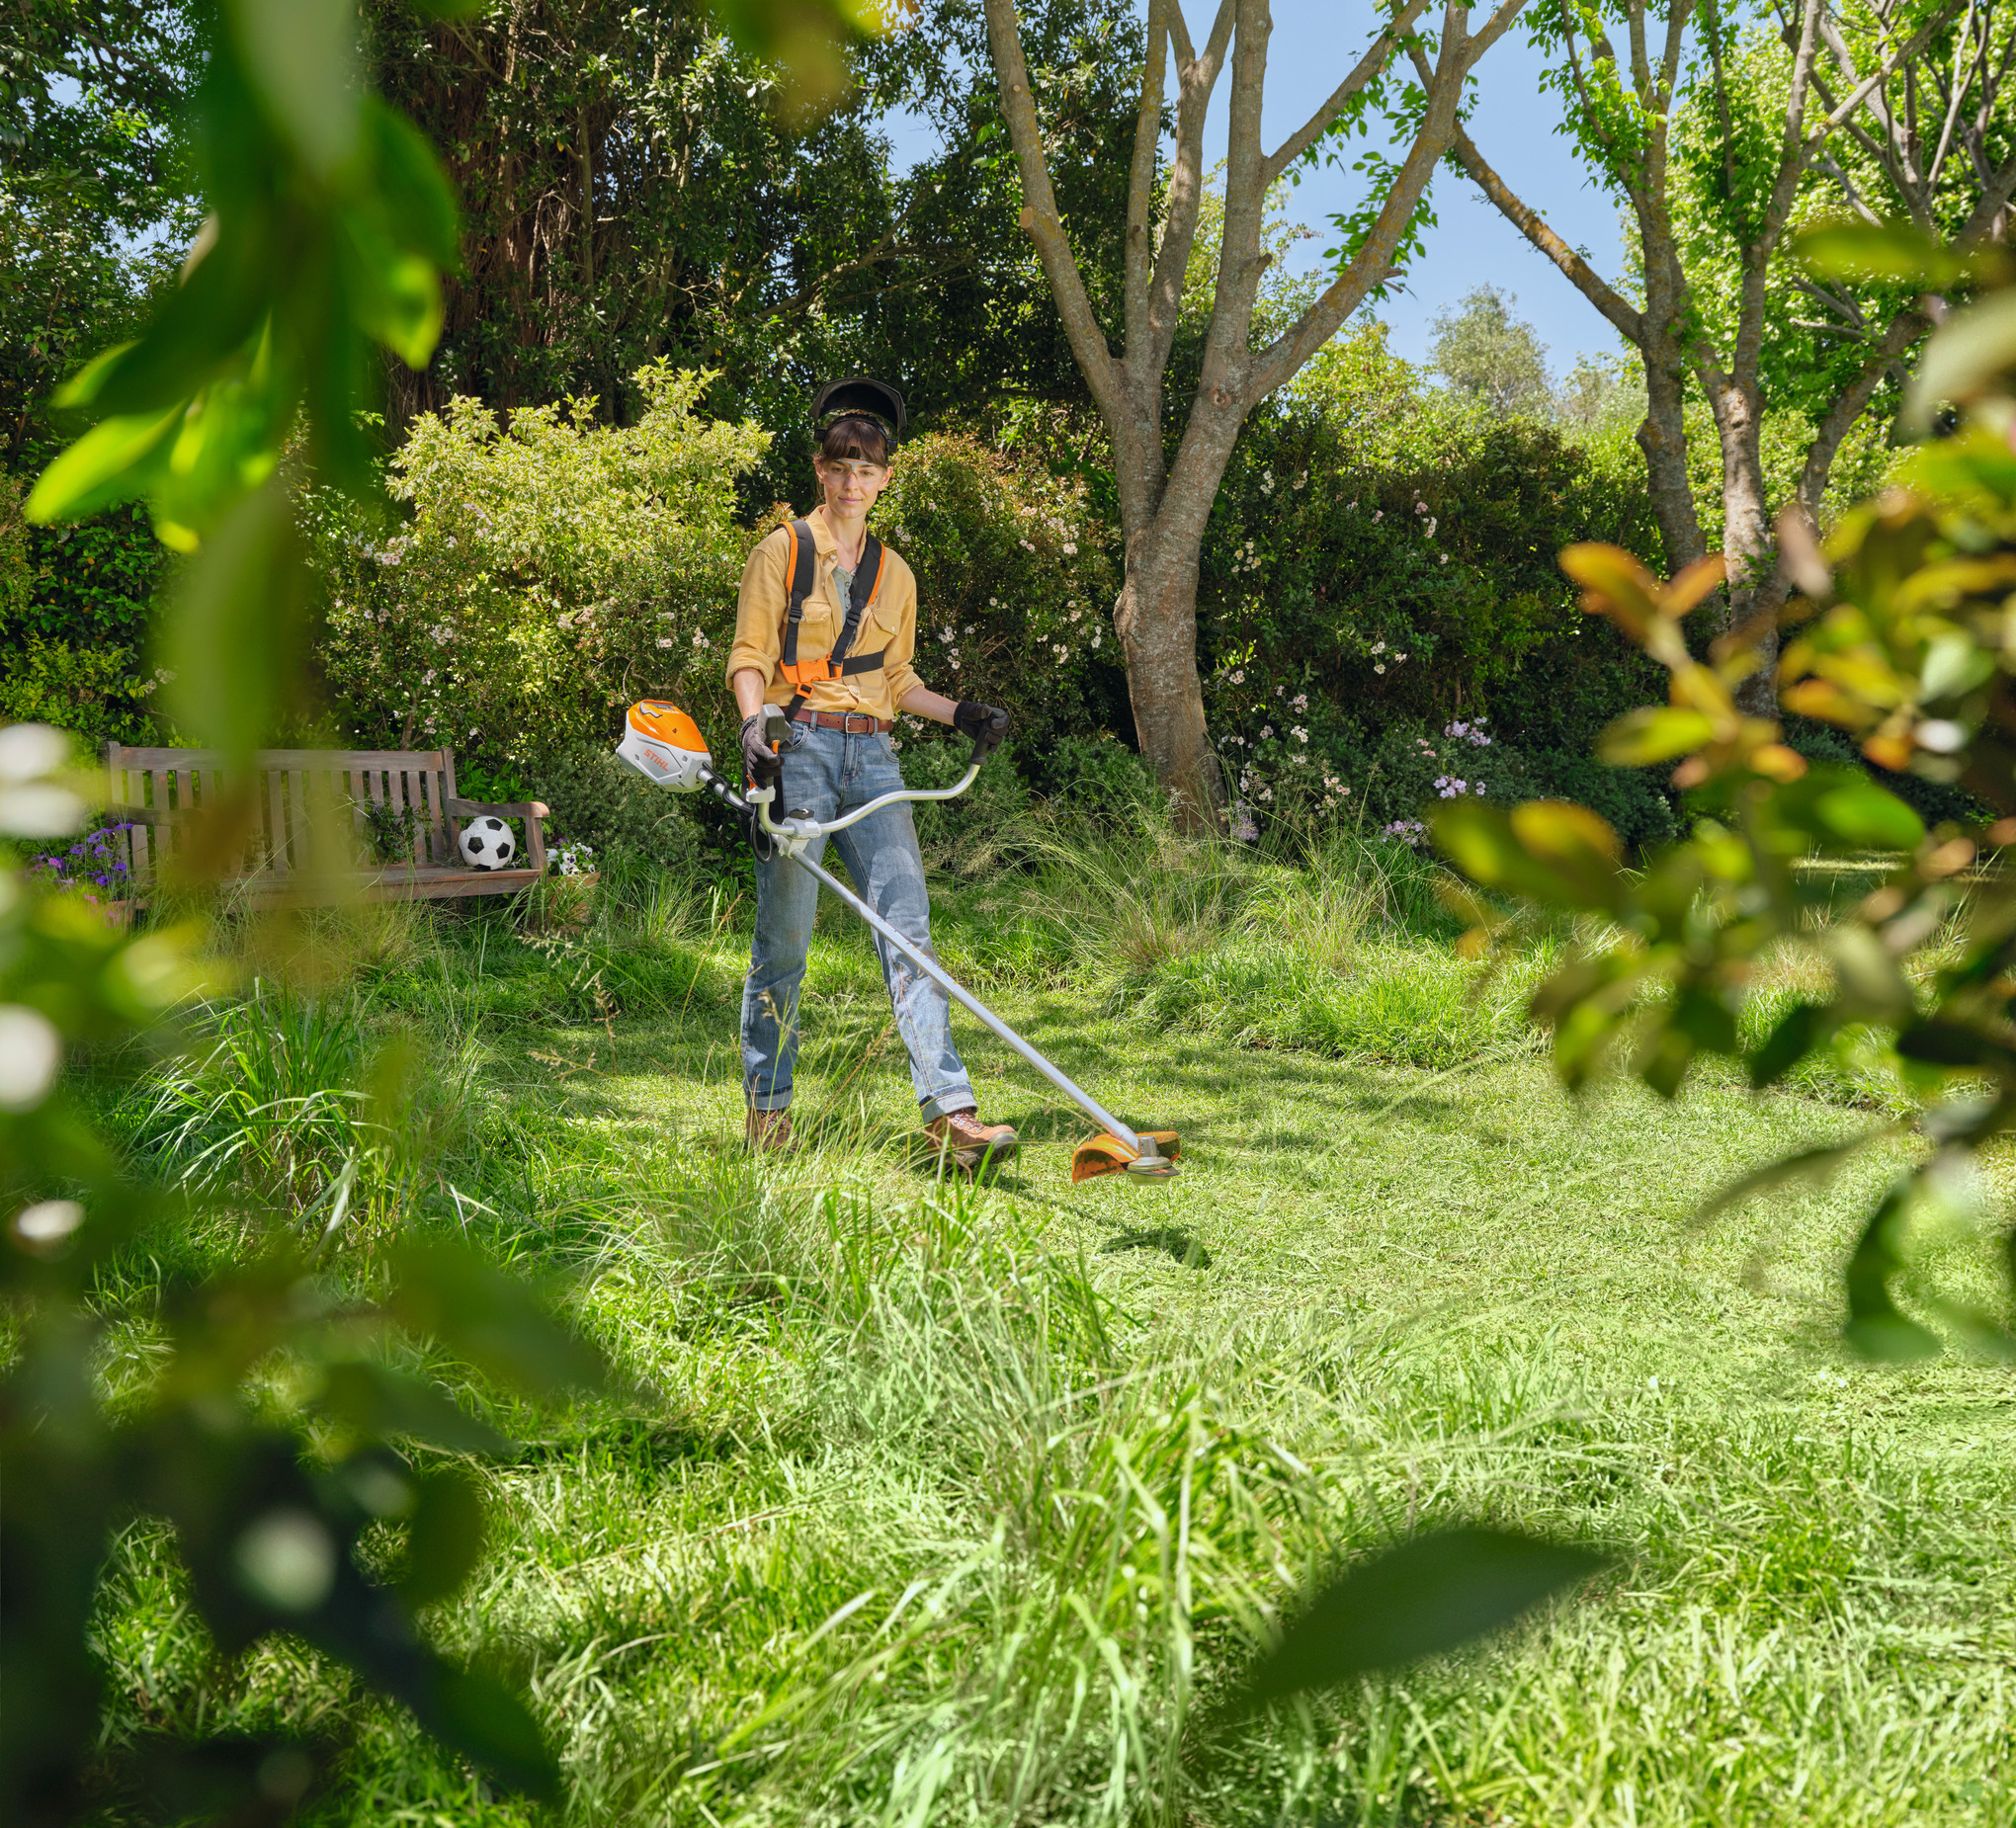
(1513, 122)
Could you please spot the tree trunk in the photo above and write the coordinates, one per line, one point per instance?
(1155, 618)
(1663, 440)
(1748, 543)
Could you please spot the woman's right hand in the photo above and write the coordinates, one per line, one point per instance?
(761, 764)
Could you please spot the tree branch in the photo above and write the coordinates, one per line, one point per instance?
(1851, 403)
(1368, 66)
(1039, 213)
(1530, 224)
(1228, 338)
(1196, 79)
(1319, 322)
(1861, 92)
(1140, 185)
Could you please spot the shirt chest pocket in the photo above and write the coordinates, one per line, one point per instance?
(818, 627)
(878, 626)
(878, 623)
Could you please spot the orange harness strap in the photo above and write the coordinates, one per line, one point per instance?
(838, 663)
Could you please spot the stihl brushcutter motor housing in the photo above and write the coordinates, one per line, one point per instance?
(664, 745)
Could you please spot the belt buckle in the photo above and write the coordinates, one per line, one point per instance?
(848, 718)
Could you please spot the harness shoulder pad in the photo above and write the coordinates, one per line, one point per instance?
(804, 553)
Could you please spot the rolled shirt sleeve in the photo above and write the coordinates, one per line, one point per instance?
(897, 671)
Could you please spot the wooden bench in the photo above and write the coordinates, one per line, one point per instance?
(157, 792)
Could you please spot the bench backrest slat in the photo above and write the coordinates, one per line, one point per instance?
(299, 785)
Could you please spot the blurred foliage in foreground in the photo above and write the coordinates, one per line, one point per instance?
(1905, 638)
(266, 1432)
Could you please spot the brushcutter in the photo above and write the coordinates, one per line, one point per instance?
(664, 745)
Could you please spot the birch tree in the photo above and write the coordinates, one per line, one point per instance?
(1718, 145)
(1165, 497)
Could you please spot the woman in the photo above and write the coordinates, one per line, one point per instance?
(824, 632)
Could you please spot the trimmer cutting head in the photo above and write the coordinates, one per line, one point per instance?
(1105, 1153)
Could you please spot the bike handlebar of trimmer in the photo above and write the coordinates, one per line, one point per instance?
(811, 828)
(930, 966)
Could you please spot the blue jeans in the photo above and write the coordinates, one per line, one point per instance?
(828, 772)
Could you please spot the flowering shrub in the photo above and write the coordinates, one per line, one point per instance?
(543, 574)
(97, 867)
(1379, 590)
(1013, 590)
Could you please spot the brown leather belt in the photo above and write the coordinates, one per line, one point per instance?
(854, 722)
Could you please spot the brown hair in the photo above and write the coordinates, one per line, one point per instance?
(855, 436)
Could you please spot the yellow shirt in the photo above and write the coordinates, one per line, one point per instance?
(890, 626)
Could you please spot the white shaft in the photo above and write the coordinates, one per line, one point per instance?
(939, 976)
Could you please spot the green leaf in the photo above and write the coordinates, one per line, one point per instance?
(1652, 733)
(444, 1539)
(1705, 1018)
(418, 199)
(104, 467)
(1880, 251)
(1557, 855)
(1423, 1596)
(1949, 1043)
(299, 59)
(1877, 1327)
(1626, 591)
(1667, 1052)
(1574, 844)
(381, 1403)
(227, 635)
(494, 1320)
(478, 1715)
(395, 295)
(1806, 1164)
(773, 30)
(1967, 353)
(1862, 814)
(1794, 1036)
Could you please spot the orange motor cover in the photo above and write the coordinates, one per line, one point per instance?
(664, 745)
(667, 724)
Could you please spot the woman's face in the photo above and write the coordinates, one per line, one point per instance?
(851, 485)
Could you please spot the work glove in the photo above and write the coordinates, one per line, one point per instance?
(761, 764)
(986, 725)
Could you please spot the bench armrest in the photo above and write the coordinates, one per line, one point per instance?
(532, 812)
(515, 809)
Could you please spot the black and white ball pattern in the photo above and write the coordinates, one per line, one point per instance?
(487, 844)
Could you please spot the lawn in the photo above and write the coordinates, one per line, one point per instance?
(932, 1503)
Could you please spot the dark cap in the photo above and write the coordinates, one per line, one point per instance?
(859, 394)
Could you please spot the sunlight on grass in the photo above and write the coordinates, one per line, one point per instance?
(935, 1503)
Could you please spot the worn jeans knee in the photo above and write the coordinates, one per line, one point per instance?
(827, 773)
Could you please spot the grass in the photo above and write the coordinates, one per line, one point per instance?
(941, 1504)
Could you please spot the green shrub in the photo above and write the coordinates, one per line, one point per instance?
(1014, 589)
(542, 577)
(1099, 777)
(632, 825)
(975, 830)
(73, 623)
(1380, 566)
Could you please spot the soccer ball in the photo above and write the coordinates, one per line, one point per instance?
(487, 844)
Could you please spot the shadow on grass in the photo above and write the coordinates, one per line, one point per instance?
(1179, 1244)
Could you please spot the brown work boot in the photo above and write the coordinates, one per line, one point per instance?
(969, 1142)
(767, 1133)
